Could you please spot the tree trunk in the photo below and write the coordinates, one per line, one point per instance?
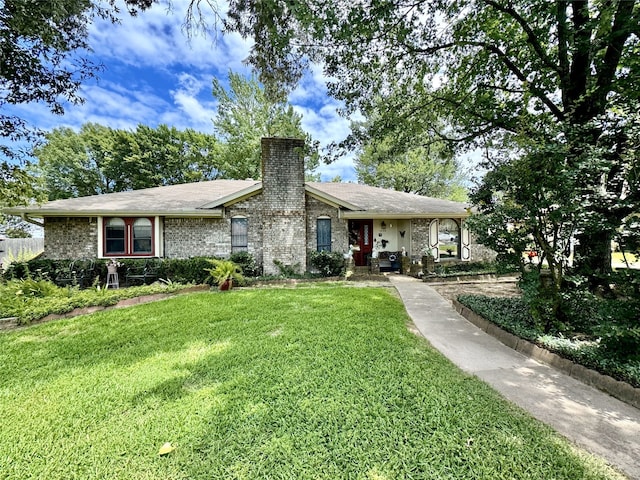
(593, 256)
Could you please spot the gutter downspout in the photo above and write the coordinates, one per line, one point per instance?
(26, 218)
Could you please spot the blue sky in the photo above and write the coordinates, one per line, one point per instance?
(155, 75)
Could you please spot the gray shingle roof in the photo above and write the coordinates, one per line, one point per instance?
(185, 198)
(383, 201)
(198, 198)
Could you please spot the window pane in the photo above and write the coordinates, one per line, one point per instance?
(142, 236)
(239, 234)
(324, 234)
(114, 236)
(449, 238)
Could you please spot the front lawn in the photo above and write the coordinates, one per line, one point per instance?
(312, 382)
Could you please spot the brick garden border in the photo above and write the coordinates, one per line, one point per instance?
(616, 388)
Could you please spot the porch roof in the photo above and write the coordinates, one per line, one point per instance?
(364, 201)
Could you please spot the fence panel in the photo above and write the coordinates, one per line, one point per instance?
(12, 248)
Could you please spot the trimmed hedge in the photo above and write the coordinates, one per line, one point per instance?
(189, 270)
(453, 269)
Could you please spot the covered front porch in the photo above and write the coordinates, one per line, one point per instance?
(386, 244)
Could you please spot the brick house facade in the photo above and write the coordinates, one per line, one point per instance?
(278, 219)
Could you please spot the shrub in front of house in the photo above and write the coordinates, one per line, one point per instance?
(184, 270)
(31, 268)
(446, 269)
(247, 263)
(31, 299)
(178, 270)
(329, 264)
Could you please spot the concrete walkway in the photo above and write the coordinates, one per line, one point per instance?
(591, 419)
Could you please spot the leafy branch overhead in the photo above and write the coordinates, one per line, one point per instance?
(512, 77)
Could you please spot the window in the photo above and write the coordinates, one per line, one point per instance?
(128, 236)
(324, 234)
(239, 234)
(114, 236)
(449, 239)
(142, 238)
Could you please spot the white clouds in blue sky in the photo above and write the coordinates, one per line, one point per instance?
(155, 75)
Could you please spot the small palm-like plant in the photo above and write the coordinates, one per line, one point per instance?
(224, 272)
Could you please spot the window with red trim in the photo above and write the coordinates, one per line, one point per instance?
(128, 236)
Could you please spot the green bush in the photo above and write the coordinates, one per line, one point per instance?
(329, 264)
(184, 270)
(188, 270)
(608, 342)
(511, 314)
(247, 263)
(37, 267)
(30, 300)
(445, 269)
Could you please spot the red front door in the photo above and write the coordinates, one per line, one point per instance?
(361, 235)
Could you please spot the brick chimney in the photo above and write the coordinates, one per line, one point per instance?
(283, 215)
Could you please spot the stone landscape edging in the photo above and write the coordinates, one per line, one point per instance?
(470, 278)
(616, 388)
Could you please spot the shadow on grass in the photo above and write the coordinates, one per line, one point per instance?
(308, 383)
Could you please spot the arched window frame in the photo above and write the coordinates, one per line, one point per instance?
(457, 236)
(134, 240)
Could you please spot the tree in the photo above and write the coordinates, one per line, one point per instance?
(15, 227)
(41, 54)
(521, 208)
(98, 159)
(504, 75)
(17, 187)
(41, 47)
(245, 115)
(417, 170)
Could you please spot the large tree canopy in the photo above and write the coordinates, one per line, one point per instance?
(43, 47)
(246, 114)
(429, 170)
(42, 59)
(510, 75)
(98, 159)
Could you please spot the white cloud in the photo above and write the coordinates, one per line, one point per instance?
(157, 38)
(195, 113)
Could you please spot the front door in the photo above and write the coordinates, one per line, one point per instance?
(361, 235)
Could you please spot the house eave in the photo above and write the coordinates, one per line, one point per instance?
(40, 213)
(330, 199)
(364, 215)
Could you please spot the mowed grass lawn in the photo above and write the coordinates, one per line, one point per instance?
(313, 382)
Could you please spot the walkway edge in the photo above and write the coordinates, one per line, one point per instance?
(616, 388)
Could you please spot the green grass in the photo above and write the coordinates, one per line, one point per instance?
(313, 382)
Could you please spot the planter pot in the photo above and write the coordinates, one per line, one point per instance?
(226, 285)
(112, 269)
